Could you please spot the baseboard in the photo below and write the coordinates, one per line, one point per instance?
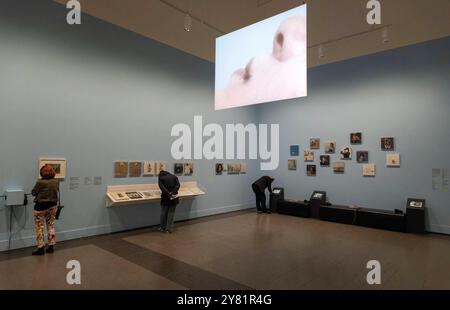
(28, 241)
(440, 229)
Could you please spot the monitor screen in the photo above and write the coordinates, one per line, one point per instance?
(263, 62)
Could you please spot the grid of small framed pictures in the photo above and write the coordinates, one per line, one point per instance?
(345, 154)
(135, 169)
(234, 168)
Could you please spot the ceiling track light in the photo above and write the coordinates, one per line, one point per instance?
(385, 35)
(187, 22)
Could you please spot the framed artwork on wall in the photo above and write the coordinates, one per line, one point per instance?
(135, 169)
(178, 168)
(294, 150)
(356, 138)
(121, 169)
(314, 143)
(339, 167)
(243, 168)
(308, 155)
(324, 160)
(346, 153)
(387, 144)
(311, 170)
(149, 168)
(362, 157)
(188, 169)
(233, 168)
(368, 170)
(393, 160)
(219, 168)
(160, 166)
(330, 147)
(292, 164)
(59, 165)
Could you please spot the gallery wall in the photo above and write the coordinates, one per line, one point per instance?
(402, 93)
(94, 94)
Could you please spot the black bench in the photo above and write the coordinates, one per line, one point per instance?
(338, 214)
(382, 219)
(293, 207)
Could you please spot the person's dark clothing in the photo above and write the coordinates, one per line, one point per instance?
(169, 185)
(263, 183)
(45, 192)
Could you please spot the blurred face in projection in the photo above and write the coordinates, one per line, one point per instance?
(271, 77)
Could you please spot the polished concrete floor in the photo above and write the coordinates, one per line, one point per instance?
(240, 250)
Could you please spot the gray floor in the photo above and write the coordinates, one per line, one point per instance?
(240, 250)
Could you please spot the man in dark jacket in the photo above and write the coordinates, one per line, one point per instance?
(169, 185)
(259, 187)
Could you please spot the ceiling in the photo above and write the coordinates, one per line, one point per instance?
(339, 27)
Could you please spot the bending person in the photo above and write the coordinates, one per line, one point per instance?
(259, 187)
(169, 185)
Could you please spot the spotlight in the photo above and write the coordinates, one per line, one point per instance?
(320, 51)
(187, 22)
(384, 35)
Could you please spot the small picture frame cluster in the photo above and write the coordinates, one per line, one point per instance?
(240, 168)
(136, 169)
(183, 169)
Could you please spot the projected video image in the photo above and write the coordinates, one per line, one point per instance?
(263, 62)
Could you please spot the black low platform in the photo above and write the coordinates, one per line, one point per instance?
(382, 219)
(292, 207)
(338, 214)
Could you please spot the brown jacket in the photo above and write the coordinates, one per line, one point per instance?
(46, 191)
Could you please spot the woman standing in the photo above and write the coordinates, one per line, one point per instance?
(46, 199)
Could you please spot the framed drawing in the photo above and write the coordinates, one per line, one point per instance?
(219, 169)
(121, 169)
(330, 147)
(387, 144)
(346, 153)
(160, 166)
(314, 143)
(339, 167)
(393, 160)
(362, 157)
(294, 150)
(292, 164)
(368, 170)
(233, 168)
(356, 138)
(178, 168)
(188, 169)
(324, 160)
(311, 170)
(308, 155)
(149, 168)
(135, 169)
(59, 165)
(243, 168)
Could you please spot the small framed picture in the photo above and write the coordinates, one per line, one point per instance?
(160, 166)
(393, 160)
(188, 168)
(59, 165)
(178, 168)
(362, 157)
(346, 153)
(314, 143)
(292, 164)
(234, 168)
(219, 169)
(308, 155)
(339, 167)
(387, 144)
(330, 147)
(368, 170)
(243, 169)
(149, 168)
(356, 138)
(135, 169)
(311, 170)
(294, 150)
(324, 160)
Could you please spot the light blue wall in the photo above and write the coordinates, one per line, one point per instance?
(94, 94)
(402, 93)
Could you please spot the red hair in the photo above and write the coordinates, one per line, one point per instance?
(47, 172)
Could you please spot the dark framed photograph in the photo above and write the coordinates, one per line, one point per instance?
(356, 138)
(219, 168)
(387, 143)
(346, 153)
(178, 168)
(324, 160)
(311, 170)
(294, 150)
(362, 157)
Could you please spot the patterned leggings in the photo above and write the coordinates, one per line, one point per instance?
(40, 219)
